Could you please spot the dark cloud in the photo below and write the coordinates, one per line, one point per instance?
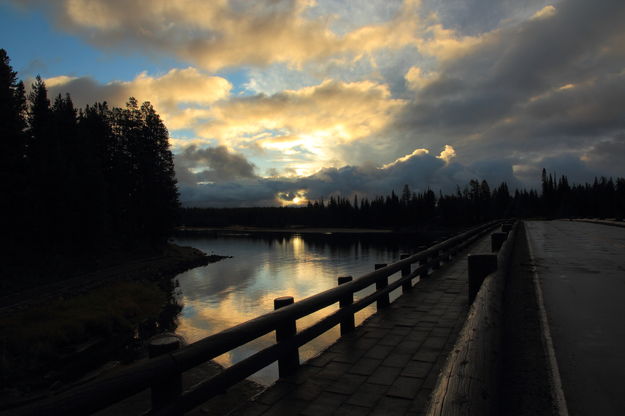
(531, 91)
(606, 157)
(212, 164)
(473, 17)
(421, 171)
(85, 90)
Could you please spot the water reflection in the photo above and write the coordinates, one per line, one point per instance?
(262, 268)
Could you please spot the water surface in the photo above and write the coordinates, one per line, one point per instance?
(262, 268)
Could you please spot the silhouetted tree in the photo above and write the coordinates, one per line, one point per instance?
(12, 152)
(40, 163)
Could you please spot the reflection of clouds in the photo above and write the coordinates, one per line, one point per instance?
(212, 281)
(232, 291)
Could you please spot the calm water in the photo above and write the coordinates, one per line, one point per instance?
(234, 290)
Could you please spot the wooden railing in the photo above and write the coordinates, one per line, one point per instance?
(166, 370)
(469, 381)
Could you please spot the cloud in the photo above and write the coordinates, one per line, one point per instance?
(532, 90)
(416, 79)
(213, 164)
(221, 34)
(307, 123)
(181, 95)
(419, 169)
(545, 13)
(606, 156)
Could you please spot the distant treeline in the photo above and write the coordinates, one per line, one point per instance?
(81, 179)
(473, 204)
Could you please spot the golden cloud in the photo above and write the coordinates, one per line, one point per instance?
(315, 117)
(181, 95)
(219, 34)
(398, 161)
(544, 13)
(416, 79)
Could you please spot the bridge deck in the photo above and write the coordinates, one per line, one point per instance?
(390, 363)
(580, 268)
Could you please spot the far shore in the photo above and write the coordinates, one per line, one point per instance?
(290, 230)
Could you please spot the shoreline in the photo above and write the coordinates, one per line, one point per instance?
(283, 230)
(172, 260)
(147, 275)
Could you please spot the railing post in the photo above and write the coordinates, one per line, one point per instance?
(480, 266)
(406, 286)
(164, 392)
(347, 324)
(422, 263)
(497, 240)
(288, 363)
(384, 300)
(437, 262)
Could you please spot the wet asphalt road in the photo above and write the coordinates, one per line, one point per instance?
(581, 269)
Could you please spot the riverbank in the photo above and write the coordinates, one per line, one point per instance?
(21, 290)
(55, 333)
(283, 230)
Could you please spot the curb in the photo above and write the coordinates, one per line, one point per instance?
(602, 222)
(557, 392)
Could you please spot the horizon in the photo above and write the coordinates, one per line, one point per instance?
(281, 103)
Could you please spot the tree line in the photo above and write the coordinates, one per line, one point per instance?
(75, 180)
(475, 203)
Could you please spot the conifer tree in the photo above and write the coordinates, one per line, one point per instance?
(12, 152)
(40, 165)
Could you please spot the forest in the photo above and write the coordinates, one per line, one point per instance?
(76, 181)
(475, 203)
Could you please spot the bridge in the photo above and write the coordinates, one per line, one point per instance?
(469, 335)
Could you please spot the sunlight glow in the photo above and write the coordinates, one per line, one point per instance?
(292, 198)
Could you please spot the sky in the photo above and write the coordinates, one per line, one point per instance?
(277, 102)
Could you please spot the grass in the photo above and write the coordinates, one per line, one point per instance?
(32, 338)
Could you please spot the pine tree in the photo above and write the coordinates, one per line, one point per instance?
(40, 165)
(161, 196)
(12, 154)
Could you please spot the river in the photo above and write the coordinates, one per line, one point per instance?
(264, 267)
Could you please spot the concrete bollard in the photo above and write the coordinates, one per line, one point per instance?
(480, 266)
(348, 323)
(406, 286)
(288, 363)
(384, 300)
(165, 392)
(497, 240)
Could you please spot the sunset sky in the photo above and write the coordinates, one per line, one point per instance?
(271, 102)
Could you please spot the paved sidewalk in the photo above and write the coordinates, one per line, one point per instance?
(389, 364)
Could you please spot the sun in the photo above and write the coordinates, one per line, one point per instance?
(292, 199)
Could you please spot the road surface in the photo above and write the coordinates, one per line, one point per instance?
(581, 271)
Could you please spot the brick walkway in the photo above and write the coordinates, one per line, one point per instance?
(389, 364)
